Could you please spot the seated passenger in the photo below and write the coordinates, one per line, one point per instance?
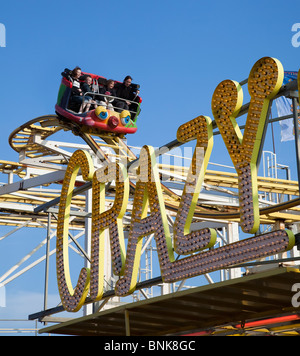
(109, 90)
(86, 87)
(126, 92)
(77, 98)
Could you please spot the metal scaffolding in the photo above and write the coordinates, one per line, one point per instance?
(30, 197)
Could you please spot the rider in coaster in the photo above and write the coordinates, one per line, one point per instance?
(126, 92)
(108, 89)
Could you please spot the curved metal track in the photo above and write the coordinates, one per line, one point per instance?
(24, 138)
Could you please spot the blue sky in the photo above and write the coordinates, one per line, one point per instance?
(178, 51)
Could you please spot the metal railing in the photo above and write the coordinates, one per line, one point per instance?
(132, 112)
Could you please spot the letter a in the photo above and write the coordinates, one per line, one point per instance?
(147, 192)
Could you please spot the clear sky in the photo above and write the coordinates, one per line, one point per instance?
(178, 51)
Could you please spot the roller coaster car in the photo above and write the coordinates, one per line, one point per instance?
(99, 119)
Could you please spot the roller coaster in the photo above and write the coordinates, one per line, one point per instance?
(31, 202)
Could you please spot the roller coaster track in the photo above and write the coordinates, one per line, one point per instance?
(26, 140)
(36, 204)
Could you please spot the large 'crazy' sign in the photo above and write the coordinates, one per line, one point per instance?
(149, 213)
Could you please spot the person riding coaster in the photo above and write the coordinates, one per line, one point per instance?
(99, 119)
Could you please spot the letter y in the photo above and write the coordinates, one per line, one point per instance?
(264, 82)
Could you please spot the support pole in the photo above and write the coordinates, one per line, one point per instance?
(47, 261)
(127, 323)
(297, 138)
(88, 309)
